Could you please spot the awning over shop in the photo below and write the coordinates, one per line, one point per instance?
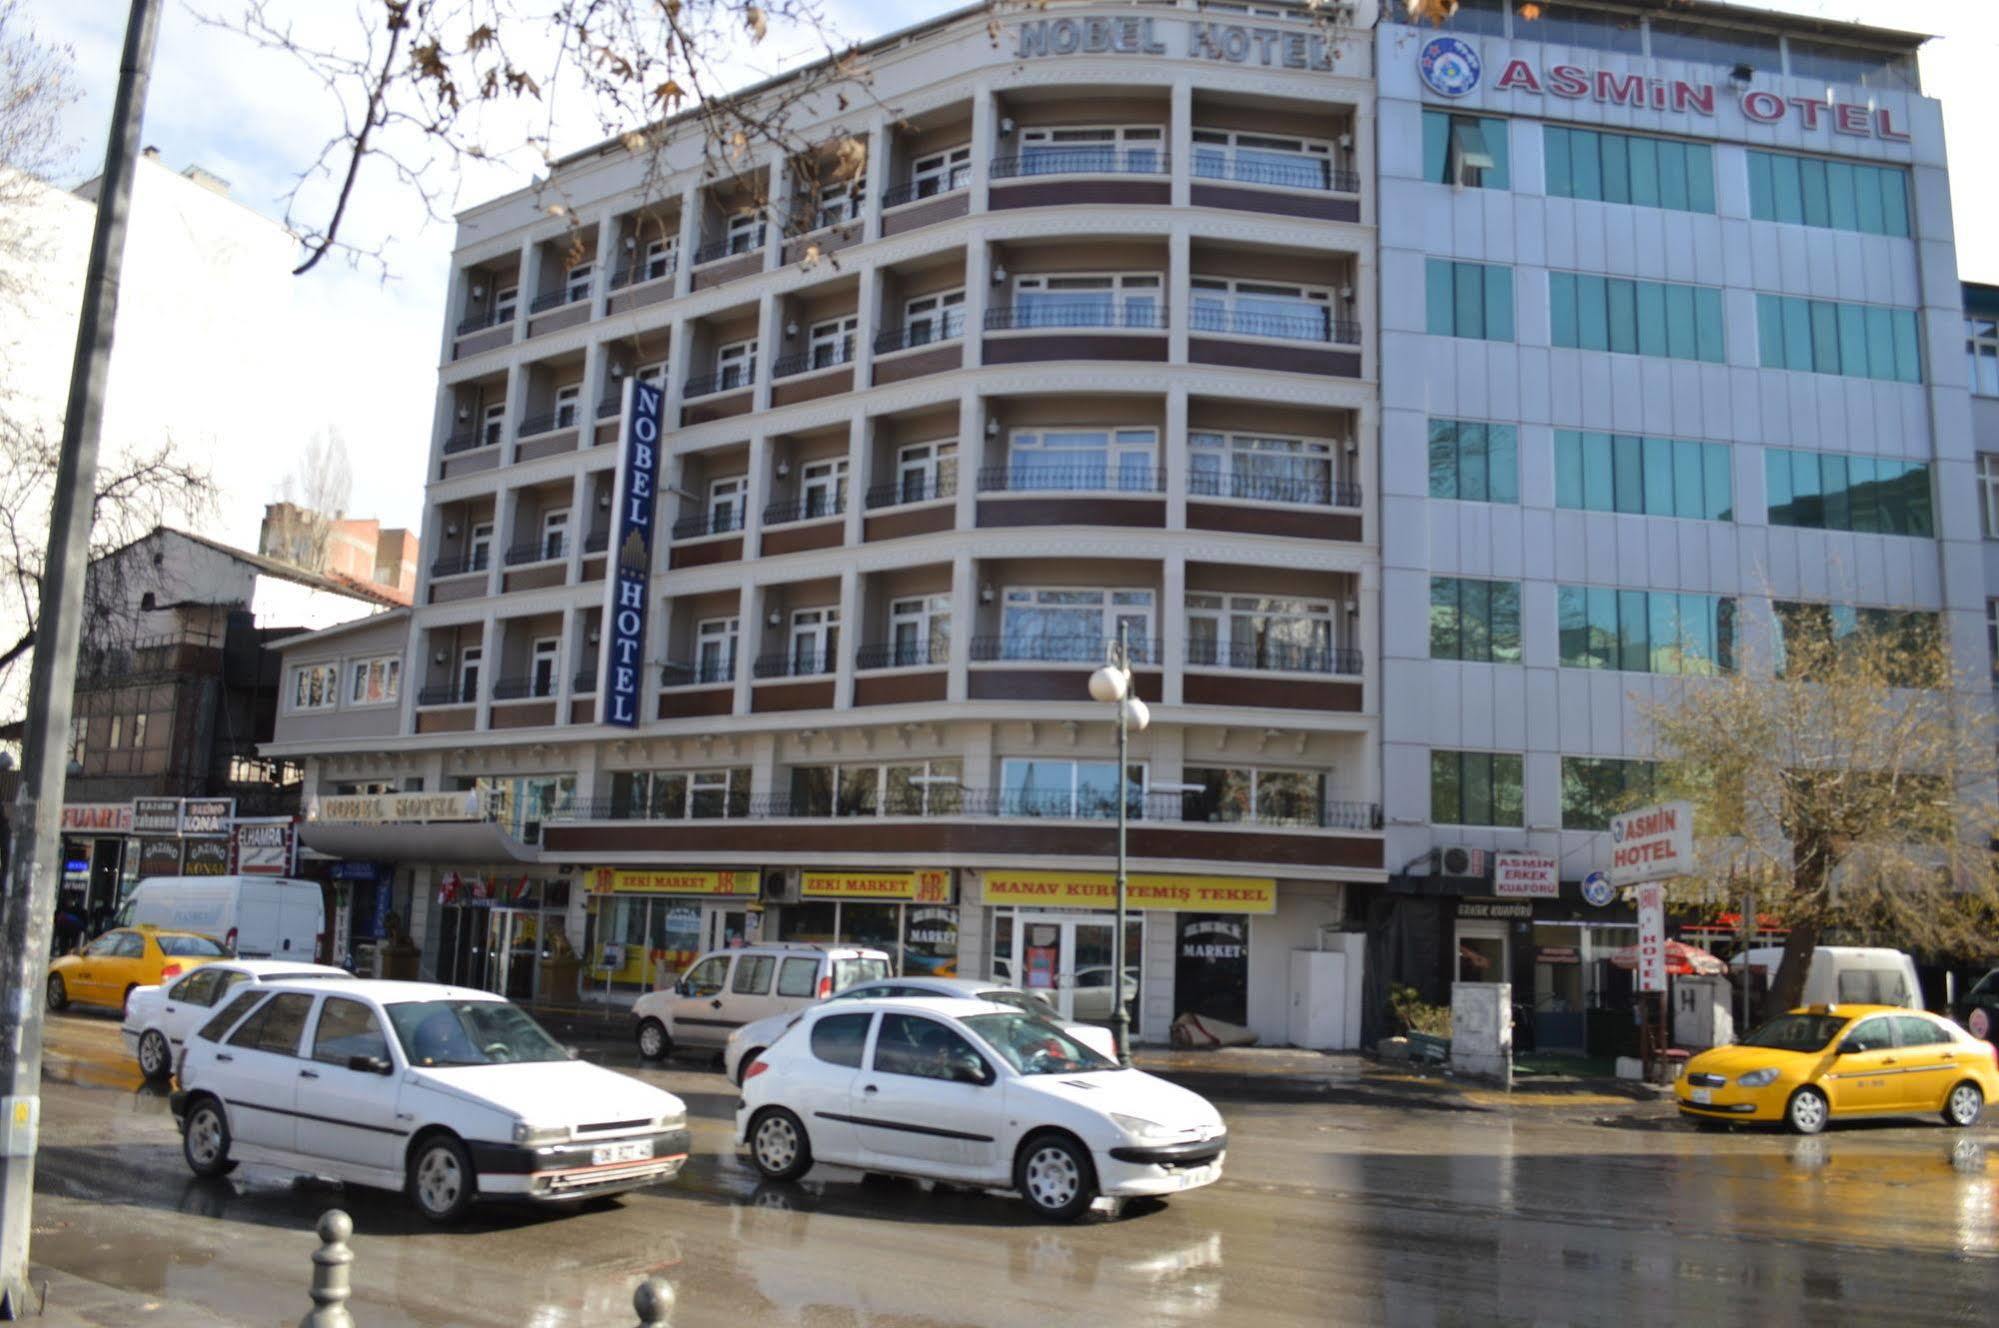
(455, 842)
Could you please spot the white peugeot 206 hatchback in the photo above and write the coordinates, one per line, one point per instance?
(445, 1093)
(974, 1093)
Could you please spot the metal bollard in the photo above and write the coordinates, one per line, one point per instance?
(653, 1301)
(330, 1273)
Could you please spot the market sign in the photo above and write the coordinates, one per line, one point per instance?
(626, 587)
(1195, 894)
(1652, 937)
(1652, 843)
(390, 808)
(1526, 876)
(82, 818)
(922, 887)
(618, 881)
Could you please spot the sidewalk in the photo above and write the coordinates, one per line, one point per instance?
(78, 1302)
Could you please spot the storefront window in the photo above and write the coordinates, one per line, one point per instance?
(930, 942)
(1211, 967)
(877, 926)
(815, 920)
(921, 940)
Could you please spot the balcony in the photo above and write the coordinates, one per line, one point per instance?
(707, 673)
(902, 655)
(597, 541)
(535, 551)
(1302, 174)
(1274, 489)
(522, 688)
(730, 248)
(1078, 330)
(1273, 656)
(729, 380)
(918, 203)
(459, 566)
(634, 274)
(1123, 317)
(794, 664)
(917, 190)
(1326, 678)
(447, 693)
(1071, 479)
(1284, 340)
(482, 332)
(1089, 160)
(1285, 327)
(903, 494)
(725, 522)
(1061, 177)
(557, 299)
(812, 360)
(802, 509)
(917, 351)
(468, 440)
(584, 684)
(481, 321)
(1304, 187)
(1051, 495)
(1089, 650)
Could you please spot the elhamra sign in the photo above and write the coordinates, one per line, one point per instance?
(1230, 43)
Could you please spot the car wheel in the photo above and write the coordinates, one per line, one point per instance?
(155, 1057)
(654, 1044)
(441, 1180)
(58, 993)
(205, 1139)
(778, 1145)
(743, 1065)
(1963, 1105)
(1807, 1111)
(1054, 1175)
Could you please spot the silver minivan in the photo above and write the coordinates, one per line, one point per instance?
(725, 989)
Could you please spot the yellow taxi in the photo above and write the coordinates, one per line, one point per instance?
(1812, 1065)
(105, 971)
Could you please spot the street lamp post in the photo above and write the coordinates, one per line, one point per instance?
(1112, 684)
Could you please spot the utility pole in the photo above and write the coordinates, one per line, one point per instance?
(27, 908)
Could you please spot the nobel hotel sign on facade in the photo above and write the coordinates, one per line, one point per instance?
(1229, 43)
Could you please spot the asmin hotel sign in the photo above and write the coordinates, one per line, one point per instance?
(1450, 67)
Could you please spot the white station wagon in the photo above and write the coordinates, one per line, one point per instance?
(975, 1093)
(442, 1092)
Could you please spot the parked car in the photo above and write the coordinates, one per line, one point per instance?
(746, 1042)
(1823, 1062)
(444, 1093)
(974, 1093)
(108, 970)
(726, 989)
(1978, 1009)
(255, 917)
(159, 1018)
(1846, 975)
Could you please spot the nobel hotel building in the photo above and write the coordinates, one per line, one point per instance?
(1397, 402)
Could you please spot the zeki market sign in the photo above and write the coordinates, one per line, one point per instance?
(1652, 843)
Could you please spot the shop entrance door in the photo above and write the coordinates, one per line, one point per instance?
(1482, 952)
(513, 944)
(728, 929)
(1068, 961)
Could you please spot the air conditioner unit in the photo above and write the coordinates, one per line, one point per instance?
(1458, 862)
(779, 887)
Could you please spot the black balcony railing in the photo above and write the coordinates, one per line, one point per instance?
(703, 674)
(825, 357)
(1122, 316)
(1274, 657)
(1302, 174)
(1089, 650)
(707, 523)
(730, 248)
(465, 440)
(536, 551)
(480, 322)
(584, 683)
(447, 693)
(1070, 478)
(904, 655)
(943, 802)
(1301, 326)
(794, 664)
(895, 494)
(597, 541)
(548, 422)
(555, 299)
(708, 384)
(631, 274)
(523, 688)
(1083, 161)
(816, 508)
(916, 190)
(1274, 489)
(459, 566)
(611, 405)
(920, 334)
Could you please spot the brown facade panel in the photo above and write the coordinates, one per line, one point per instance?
(1290, 522)
(740, 266)
(569, 315)
(1052, 193)
(606, 433)
(1042, 682)
(929, 212)
(816, 694)
(706, 410)
(697, 702)
(789, 391)
(469, 463)
(1320, 207)
(903, 366)
(803, 536)
(900, 688)
(480, 342)
(1266, 355)
(1226, 689)
(1033, 348)
(707, 553)
(458, 719)
(901, 525)
(530, 715)
(593, 569)
(536, 578)
(583, 710)
(830, 241)
(554, 444)
(1141, 513)
(638, 297)
(456, 588)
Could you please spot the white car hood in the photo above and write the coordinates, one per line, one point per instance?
(549, 1093)
(1130, 1092)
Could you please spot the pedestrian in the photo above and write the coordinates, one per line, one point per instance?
(100, 920)
(68, 930)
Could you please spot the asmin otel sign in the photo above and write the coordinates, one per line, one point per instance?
(1450, 67)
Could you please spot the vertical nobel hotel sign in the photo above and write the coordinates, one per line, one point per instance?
(629, 583)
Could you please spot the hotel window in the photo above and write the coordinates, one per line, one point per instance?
(661, 258)
(493, 425)
(725, 503)
(1645, 631)
(831, 342)
(1084, 790)
(1469, 300)
(934, 318)
(1596, 788)
(1700, 42)
(676, 795)
(1296, 163)
(1271, 797)
(1474, 463)
(919, 630)
(921, 788)
(742, 232)
(547, 653)
(1988, 493)
(839, 203)
(1475, 788)
(1125, 299)
(1981, 349)
(1483, 17)
(1262, 467)
(1852, 340)
(1086, 459)
(555, 534)
(375, 681)
(139, 723)
(1839, 195)
(1475, 621)
(1838, 63)
(715, 650)
(1130, 149)
(1834, 491)
(1913, 639)
(1468, 151)
(576, 285)
(926, 470)
(1258, 632)
(566, 398)
(822, 488)
(735, 365)
(479, 547)
(1262, 309)
(1074, 625)
(1623, 168)
(1569, 25)
(469, 661)
(815, 640)
(940, 173)
(117, 732)
(1602, 472)
(1635, 317)
(314, 687)
(504, 301)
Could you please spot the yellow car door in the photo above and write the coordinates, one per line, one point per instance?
(1928, 1061)
(123, 968)
(1865, 1074)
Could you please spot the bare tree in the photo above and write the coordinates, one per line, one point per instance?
(37, 81)
(310, 500)
(1844, 784)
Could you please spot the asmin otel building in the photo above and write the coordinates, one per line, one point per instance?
(1087, 348)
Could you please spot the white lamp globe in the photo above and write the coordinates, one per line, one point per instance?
(1108, 684)
(1137, 714)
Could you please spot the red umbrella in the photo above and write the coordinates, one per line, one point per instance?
(1682, 960)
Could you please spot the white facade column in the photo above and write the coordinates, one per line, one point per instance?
(972, 410)
(581, 516)
(489, 663)
(1176, 456)
(867, 323)
(525, 291)
(985, 142)
(756, 495)
(693, 208)
(505, 511)
(517, 410)
(860, 447)
(749, 640)
(1173, 620)
(978, 292)
(770, 340)
(1179, 292)
(880, 142)
(609, 257)
(1180, 142)
(964, 621)
(565, 666)
(850, 626)
(781, 185)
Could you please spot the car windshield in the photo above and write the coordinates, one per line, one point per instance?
(439, 1033)
(1796, 1032)
(1019, 1000)
(1032, 1045)
(191, 947)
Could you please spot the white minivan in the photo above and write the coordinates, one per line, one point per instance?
(256, 917)
(1846, 975)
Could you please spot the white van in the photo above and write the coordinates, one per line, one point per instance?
(1847, 975)
(256, 917)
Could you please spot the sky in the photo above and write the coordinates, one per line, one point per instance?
(372, 330)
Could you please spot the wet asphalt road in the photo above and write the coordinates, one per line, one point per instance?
(1330, 1213)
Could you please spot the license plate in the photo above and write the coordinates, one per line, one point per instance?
(1187, 1180)
(638, 1150)
(1703, 1096)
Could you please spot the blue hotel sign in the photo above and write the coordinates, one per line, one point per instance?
(630, 580)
